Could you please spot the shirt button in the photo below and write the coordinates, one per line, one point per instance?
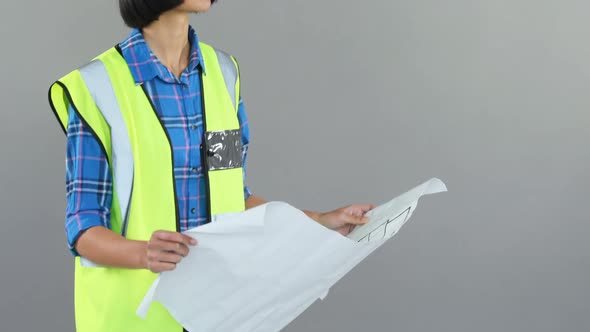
(194, 127)
(193, 210)
(194, 169)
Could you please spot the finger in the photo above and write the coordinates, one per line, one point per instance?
(356, 212)
(189, 240)
(364, 207)
(160, 245)
(158, 267)
(359, 209)
(355, 220)
(351, 228)
(167, 257)
(175, 237)
(169, 236)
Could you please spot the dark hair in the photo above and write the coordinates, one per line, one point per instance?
(140, 13)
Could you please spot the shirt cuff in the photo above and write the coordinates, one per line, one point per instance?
(247, 192)
(78, 223)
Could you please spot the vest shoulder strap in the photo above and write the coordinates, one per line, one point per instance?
(229, 68)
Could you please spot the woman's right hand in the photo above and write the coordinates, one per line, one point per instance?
(166, 249)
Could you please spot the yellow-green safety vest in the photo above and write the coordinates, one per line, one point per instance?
(120, 115)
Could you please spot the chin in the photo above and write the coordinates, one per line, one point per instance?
(196, 5)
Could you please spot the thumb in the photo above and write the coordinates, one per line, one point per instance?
(188, 240)
(356, 220)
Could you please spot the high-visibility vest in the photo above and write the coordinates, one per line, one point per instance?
(120, 115)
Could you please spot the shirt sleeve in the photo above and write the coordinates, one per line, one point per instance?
(243, 119)
(88, 181)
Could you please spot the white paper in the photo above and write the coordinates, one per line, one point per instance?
(385, 220)
(260, 269)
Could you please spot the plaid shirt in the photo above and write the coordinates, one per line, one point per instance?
(178, 104)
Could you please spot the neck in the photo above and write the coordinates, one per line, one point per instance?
(168, 39)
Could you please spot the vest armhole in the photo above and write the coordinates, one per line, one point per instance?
(87, 126)
(238, 83)
(53, 108)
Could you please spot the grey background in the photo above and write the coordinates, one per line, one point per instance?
(354, 101)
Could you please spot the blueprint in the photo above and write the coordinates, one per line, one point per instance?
(260, 269)
(386, 219)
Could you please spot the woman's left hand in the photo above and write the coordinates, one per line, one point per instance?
(345, 219)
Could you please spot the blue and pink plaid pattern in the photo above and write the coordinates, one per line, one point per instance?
(178, 104)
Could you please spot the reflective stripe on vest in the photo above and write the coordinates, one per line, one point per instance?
(230, 74)
(98, 83)
(121, 117)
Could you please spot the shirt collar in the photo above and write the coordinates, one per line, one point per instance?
(144, 65)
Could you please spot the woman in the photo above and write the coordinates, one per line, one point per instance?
(157, 140)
